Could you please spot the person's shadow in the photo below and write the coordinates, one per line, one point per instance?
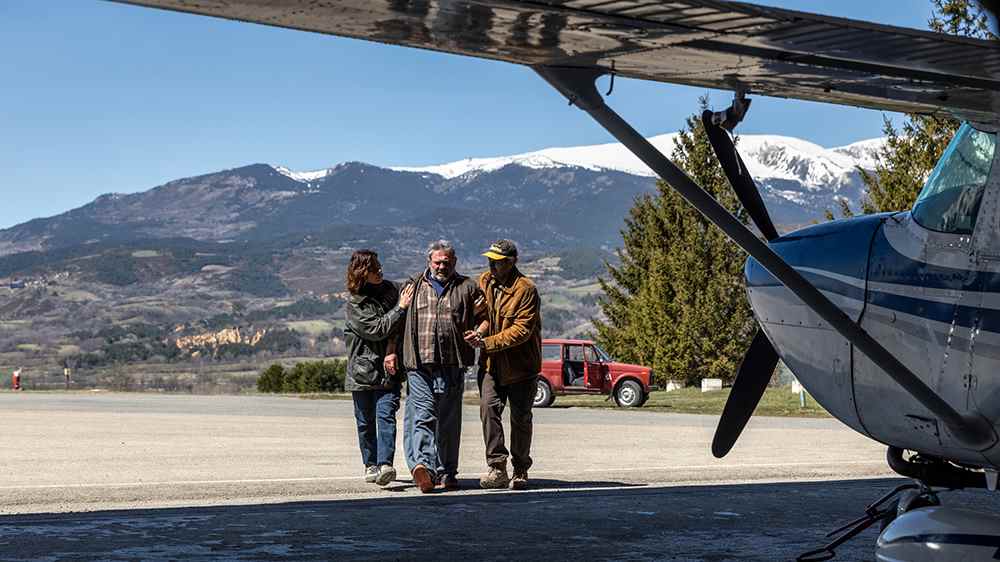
(534, 484)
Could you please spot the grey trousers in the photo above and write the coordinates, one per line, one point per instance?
(432, 420)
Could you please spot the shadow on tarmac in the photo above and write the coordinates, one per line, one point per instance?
(762, 522)
(537, 484)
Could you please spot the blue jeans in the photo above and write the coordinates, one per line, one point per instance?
(375, 412)
(432, 423)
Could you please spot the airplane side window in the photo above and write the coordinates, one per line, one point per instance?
(950, 199)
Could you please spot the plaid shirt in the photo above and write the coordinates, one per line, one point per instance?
(434, 325)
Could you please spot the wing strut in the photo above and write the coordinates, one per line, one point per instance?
(578, 86)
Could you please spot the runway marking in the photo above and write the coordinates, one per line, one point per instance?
(348, 478)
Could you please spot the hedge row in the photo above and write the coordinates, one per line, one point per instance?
(309, 376)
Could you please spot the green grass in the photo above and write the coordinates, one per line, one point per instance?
(776, 402)
(311, 327)
(558, 300)
(587, 289)
(78, 296)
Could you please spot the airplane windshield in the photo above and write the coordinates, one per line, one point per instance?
(950, 199)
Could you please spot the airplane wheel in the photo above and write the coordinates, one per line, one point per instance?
(629, 394)
(543, 394)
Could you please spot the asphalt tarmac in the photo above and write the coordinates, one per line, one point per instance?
(144, 477)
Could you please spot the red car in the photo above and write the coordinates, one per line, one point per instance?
(580, 367)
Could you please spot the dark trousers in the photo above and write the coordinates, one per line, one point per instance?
(493, 398)
(375, 413)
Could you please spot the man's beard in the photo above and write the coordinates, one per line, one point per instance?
(442, 277)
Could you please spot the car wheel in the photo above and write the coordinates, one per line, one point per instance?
(629, 394)
(645, 398)
(543, 395)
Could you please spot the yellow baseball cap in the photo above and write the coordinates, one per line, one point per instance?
(501, 250)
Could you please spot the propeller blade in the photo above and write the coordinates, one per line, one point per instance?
(751, 381)
(738, 176)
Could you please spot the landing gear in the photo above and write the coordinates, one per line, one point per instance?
(908, 501)
(913, 523)
(878, 511)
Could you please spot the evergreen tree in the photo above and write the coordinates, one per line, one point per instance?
(909, 155)
(676, 302)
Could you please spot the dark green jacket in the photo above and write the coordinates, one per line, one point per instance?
(372, 317)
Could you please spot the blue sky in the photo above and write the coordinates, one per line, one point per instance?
(100, 97)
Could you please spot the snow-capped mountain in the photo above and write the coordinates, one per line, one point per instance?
(767, 156)
(538, 197)
(798, 178)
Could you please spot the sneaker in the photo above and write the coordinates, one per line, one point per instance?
(386, 474)
(371, 473)
(520, 480)
(495, 478)
(448, 484)
(422, 478)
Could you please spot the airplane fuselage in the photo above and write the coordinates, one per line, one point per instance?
(925, 284)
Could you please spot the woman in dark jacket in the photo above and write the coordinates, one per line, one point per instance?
(374, 310)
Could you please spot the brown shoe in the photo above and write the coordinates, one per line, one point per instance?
(422, 478)
(495, 479)
(448, 484)
(520, 480)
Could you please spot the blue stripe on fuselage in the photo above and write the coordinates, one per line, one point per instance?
(842, 247)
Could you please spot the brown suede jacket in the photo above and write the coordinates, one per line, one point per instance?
(513, 342)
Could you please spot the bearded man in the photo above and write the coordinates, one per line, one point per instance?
(435, 357)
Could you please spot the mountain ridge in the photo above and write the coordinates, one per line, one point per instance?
(537, 194)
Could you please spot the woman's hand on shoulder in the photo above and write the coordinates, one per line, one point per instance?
(406, 296)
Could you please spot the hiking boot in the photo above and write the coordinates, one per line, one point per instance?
(386, 474)
(423, 479)
(448, 484)
(371, 473)
(494, 479)
(520, 480)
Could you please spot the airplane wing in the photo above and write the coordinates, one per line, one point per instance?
(706, 43)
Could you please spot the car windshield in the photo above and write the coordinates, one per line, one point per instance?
(950, 199)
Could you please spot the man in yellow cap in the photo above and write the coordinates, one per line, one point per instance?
(510, 360)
